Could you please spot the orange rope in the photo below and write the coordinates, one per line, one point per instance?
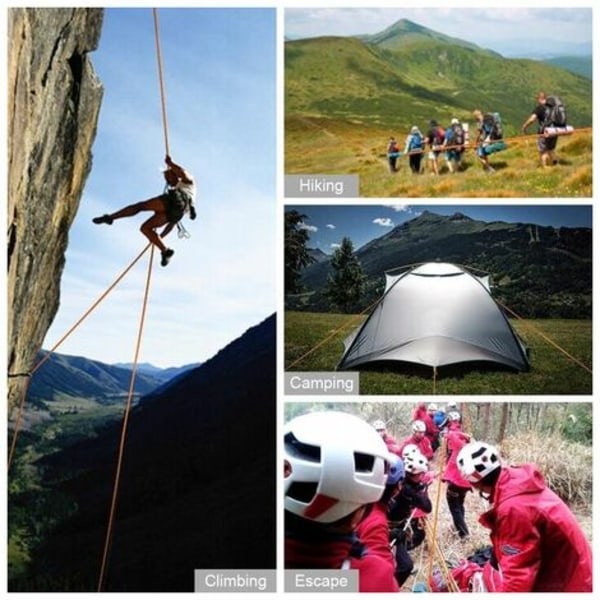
(547, 339)
(163, 100)
(113, 505)
(55, 347)
(331, 335)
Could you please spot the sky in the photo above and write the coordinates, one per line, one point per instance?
(219, 75)
(328, 224)
(511, 31)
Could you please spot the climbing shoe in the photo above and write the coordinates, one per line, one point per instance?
(166, 256)
(103, 219)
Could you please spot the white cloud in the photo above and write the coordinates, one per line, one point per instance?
(335, 246)
(307, 227)
(384, 222)
(330, 226)
(401, 208)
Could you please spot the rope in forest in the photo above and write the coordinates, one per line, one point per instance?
(115, 494)
(113, 505)
(436, 511)
(435, 550)
(18, 421)
(547, 339)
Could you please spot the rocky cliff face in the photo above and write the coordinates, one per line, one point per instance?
(54, 100)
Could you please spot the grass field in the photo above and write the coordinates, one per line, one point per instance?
(327, 146)
(314, 342)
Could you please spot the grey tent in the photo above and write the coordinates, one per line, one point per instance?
(436, 314)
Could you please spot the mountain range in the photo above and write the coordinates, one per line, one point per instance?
(409, 74)
(536, 270)
(197, 484)
(63, 377)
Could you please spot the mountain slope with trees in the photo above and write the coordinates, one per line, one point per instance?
(537, 271)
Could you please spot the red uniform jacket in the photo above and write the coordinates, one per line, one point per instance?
(455, 440)
(375, 573)
(538, 544)
(374, 532)
(424, 446)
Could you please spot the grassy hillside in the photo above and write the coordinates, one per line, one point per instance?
(314, 342)
(344, 98)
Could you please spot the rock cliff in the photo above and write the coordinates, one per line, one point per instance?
(54, 100)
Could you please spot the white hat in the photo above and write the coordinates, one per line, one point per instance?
(454, 121)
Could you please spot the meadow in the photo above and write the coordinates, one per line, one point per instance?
(560, 352)
(329, 146)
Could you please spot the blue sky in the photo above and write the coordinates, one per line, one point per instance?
(219, 71)
(328, 224)
(511, 31)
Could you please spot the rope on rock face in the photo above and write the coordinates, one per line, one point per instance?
(19, 418)
(163, 98)
(113, 506)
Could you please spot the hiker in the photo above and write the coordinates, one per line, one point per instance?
(546, 144)
(405, 512)
(454, 141)
(415, 144)
(374, 531)
(168, 208)
(418, 439)
(335, 466)
(435, 139)
(457, 487)
(538, 546)
(390, 441)
(393, 152)
(489, 138)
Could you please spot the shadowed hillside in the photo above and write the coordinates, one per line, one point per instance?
(189, 496)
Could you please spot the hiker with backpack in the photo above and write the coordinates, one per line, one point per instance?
(549, 111)
(435, 138)
(414, 148)
(393, 153)
(538, 545)
(169, 208)
(454, 142)
(335, 467)
(489, 137)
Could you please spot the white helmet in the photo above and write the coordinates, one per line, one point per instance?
(415, 463)
(432, 406)
(452, 404)
(379, 425)
(453, 416)
(334, 463)
(476, 460)
(409, 449)
(418, 426)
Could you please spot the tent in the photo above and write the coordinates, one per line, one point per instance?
(436, 314)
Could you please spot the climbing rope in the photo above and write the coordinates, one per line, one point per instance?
(547, 339)
(19, 418)
(113, 505)
(163, 98)
(441, 463)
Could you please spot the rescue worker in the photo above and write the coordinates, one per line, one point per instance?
(538, 546)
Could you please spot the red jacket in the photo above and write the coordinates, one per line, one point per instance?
(432, 431)
(455, 440)
(538, 544)
(374, 532)
(375, 573)
(392, 444)
(424, 446)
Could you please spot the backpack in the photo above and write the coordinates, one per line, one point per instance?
(416, 142)
(438, 136)
(556, 113)
(457, 135)
(492, 126)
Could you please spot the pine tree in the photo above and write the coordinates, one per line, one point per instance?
(297, 257)
(346, 286)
